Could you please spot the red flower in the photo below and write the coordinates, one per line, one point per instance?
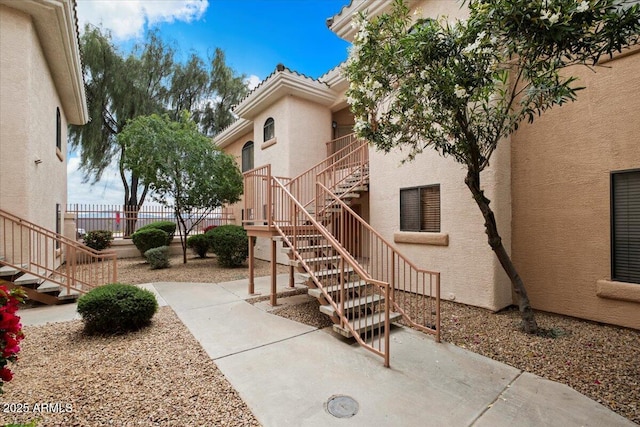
(6, 374)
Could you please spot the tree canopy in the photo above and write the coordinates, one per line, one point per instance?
(460, 87)
(181, 167)
(147, 81)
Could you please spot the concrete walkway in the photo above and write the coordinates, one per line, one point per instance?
(286, 371)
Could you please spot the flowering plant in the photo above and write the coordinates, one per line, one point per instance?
(10, 330)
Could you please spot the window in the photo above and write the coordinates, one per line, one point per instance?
(269, 129)
(247, 156)
(420, 209)
(625, 226)
(58, 130)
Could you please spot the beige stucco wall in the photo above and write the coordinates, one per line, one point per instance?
(561, 195)
(28, 101)
(470, 273)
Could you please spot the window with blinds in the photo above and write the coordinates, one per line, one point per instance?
(247, 156)
(625, 226)
(420, 209)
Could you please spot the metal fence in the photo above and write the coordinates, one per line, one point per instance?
(123, 221)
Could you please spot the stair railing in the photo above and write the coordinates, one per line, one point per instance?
(33, 249)
(415, 292)
(302, 187)
(298, 227)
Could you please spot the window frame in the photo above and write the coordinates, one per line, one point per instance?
(421, 216)
(247, 153)
(612, 219)
(269, 129)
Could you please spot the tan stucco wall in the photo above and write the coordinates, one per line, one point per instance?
(469, 270)
(28, 101)
(561, 195)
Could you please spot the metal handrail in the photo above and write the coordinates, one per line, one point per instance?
(30, 248)
(290, 218)
(385, 262)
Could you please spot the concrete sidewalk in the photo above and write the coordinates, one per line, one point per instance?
(286, 371)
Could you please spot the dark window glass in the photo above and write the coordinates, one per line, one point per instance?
(625, 226)
(420, 209)
(269, 129)
(247, 156)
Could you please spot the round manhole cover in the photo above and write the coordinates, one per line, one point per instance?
(342, 406)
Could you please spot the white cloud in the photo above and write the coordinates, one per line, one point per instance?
(252, 81)
(127, 18)
(107, 191)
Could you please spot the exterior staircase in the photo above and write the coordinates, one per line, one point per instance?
(362, 282)
(49, 267)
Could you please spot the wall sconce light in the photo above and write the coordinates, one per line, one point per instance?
(37, 161)
(334, 124)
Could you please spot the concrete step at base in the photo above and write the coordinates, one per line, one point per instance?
(68, 294)
(47, 286)
(361, 325)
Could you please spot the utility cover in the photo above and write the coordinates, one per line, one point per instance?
(341, 406)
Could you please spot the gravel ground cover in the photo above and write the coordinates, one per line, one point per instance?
(158, 376)
(600, 361)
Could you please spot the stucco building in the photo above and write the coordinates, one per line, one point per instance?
(41, 92)
(558, 187)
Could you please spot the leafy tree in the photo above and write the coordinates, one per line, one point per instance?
(147, 81)
(182, 168)
(462, 87)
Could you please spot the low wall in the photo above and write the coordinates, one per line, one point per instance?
(126, 249)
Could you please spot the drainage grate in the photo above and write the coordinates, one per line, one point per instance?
(341, 406)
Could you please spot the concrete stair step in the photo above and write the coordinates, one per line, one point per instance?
(363, 324)
(47, 287)
(352, 304)
(316, 292)
(27, 279)
(325, 273)
(310, 248)
(308, 261)
(66, 293)
(8, 271)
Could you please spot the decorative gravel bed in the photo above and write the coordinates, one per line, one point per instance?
(161, 376)
(158, 376)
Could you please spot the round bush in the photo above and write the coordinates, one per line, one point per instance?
(199, 244)
(149, 238)
(166, 226)
(230, 244)
(98, 239)
(158, 257)
(116, 308)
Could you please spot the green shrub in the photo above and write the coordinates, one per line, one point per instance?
(158, 257)
(116, 308)
(199, 244)
(98, 239)
(166, 226)
(230, 244)
(149, 238)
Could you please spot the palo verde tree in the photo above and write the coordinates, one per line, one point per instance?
(462, 87)
(181, 167)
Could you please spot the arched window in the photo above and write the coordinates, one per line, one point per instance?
(58, 129)
(247, 156)
(269, 129)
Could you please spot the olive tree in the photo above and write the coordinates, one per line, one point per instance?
(462, 87)
(181, 167)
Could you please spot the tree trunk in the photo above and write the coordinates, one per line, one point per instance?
(495, 241)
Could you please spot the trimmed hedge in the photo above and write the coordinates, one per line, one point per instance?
(98, 239)
(230, 244)
(116, 308)
(158, 257)
(199, 244)
(166, 226)
(149, 238)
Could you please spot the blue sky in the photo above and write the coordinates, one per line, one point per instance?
(256, 35)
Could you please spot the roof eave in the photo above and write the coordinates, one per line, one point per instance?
(232, 132)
